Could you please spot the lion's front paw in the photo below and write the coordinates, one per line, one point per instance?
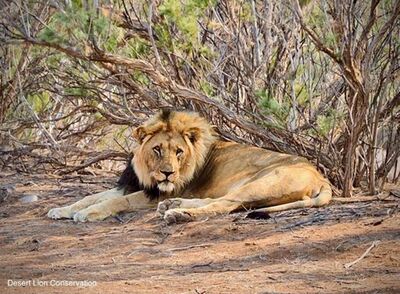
(60, 212)
(176, 216)
(167, 204)
(89, 215)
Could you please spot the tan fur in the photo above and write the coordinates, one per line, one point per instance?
(181, 155)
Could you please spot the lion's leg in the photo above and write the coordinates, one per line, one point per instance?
(246, 196)
(278, 191)
(70, 210)
(110, 207)
(216, 207)
(172, 203)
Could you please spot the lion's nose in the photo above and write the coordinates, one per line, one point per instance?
(167, 173)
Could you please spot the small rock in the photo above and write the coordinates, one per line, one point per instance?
(29, 198)
(5, 191)
(3, 194)
(9, 187)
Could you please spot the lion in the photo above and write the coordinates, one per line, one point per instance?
(182, 167)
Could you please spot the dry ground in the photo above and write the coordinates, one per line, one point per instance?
(302, 251)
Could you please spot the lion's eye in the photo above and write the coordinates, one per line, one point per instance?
(179, 152)
(157, 150)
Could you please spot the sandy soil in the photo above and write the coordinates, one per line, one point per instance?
(301, 251)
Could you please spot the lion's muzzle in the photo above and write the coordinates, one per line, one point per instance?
(165, 180)
(166, 186)
(167, 174)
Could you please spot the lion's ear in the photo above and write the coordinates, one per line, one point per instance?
(139, 134)
(193, 134)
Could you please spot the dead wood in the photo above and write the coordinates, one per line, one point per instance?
(262, 73)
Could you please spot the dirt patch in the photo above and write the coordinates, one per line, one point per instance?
(301, 251)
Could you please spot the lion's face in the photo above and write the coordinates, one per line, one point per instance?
(167, 159)
(171, 150)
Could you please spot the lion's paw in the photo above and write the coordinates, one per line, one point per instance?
(167, 204)
(89, 215)
(176, 216)
(80, 217)
(60, 212)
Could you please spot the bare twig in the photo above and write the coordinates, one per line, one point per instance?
(190, 247)
(350, 264)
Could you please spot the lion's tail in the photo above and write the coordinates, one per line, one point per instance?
(323, 198)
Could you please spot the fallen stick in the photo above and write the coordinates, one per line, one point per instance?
(356, 199)
(350, 264)
(202, 264)
(189, 247)
(223, 270)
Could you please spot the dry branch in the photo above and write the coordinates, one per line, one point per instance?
(103, 156)
(350, 264)
(259, 74)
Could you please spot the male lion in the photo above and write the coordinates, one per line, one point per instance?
(180, 155)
